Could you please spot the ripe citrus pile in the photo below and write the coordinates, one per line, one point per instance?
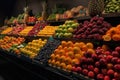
(68, 54)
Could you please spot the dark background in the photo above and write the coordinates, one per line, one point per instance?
(10, 8)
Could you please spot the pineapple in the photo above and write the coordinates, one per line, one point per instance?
(96, 7)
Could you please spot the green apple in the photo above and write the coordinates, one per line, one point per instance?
(60, 26)
(56, 34)
(66, 35)
(64, 30)
(61, 35)
(70, 35)
(70, 30)
(75, 25)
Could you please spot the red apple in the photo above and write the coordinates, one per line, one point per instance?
(85, 72)
(90, 61)
(104, 71)
(110, 72)
(96, 70)
(90, 67)
(108, 58)
(97, 64)
(117, 67)
(84, 66)
(118, 61)
(115, 54)
(94, 56)
(106, 78)
(83, 60)
(116, 75)
(91, 74)
(100, 77)
(79, 69)
(117, 49)
(107, 52)
(114, 60)
(74, 69)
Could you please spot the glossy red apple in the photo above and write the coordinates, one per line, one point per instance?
(108, 58)
(116, 75)
(110, 72)
(106, 78)
(85, 72)
(74, 69)
(115, 54)
(114, 60)
(90, 67)
(104, 71)
(117, 49)
(97, 64)
(96, 70)
(100, 77)
(117, 67)
(91, 74)
(79, 69)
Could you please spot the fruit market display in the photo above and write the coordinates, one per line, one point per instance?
(46, 51)
(8, 43)
(26, 30)
(32, 48)
(66, 30)
(112, 6)
(36, 28)
(68, 54)
(31, 19)
(93, 29)
(47, 31)
(112, 34)
(7, 30)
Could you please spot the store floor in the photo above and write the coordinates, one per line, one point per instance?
(9, 71)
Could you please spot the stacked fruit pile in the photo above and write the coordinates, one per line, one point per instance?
(68, 54)
(32, 48)
(112, 6)
(48, 31)
(93, 29)
(26, 31)
(66, 29)
(37, 27)
(104, 64)
(7, 30)
(46, 51)
(17, 29)
(113, 33)
(7, 42)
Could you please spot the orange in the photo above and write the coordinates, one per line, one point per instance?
(53, 62)
(57, 63)
(84, 48)
(65, 49)
(60, 47)
(77, 44)
(56, 51)
(70, 54)
(68, 60)
(75, 61)
(57, 57)
(69, 44)
(106, 37)
(62, 58)
(78, 56)
(69, 67)
(81, 44)
(116, 37)
(70, 48)
(64, 43)
(61, 52)
(63, 65)
(76, 50)
(91, 51)
(52, 56)
(89, 45)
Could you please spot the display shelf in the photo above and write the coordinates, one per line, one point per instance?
(83, 18)
(35, 67)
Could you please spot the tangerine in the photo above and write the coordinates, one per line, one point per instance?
(63, 65)
(76, 50)
(69, 67)
(89, 45)
(69, 44)
(91, 51)
(63, 43)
